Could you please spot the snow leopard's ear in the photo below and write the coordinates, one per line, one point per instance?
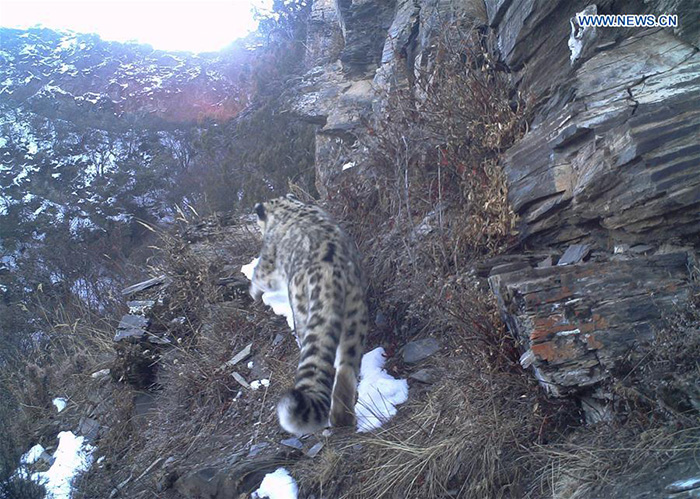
(260, 212)
(292, 197)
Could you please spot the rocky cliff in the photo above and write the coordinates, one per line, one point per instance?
(605, 181)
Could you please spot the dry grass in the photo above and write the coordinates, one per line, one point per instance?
(601, 461)
(465, 436)
(433, 169)
(74, 342)
(199, 413)
(468, 434)
(453, 443)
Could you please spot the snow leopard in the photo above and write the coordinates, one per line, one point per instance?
(304, 249)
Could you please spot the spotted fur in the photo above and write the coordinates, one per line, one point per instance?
(305, 249)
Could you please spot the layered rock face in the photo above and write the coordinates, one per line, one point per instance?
(608, 168)
(611, 162)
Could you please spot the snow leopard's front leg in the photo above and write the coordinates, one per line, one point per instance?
(265, 275)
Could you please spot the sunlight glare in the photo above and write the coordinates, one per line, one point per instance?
(188, 25)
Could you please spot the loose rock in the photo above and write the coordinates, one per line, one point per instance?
(293, 442)
(423, 376)
(142, 286)
(419, 350)
(131, 327)
(313, 451)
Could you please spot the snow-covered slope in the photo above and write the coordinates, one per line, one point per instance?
(95, 136)
(77, 72)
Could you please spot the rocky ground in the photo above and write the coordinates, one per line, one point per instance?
(186, 408)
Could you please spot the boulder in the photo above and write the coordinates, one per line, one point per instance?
(577, 322)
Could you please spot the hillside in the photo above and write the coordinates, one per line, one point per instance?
(523, 189)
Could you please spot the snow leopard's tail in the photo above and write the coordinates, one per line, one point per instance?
(307, 408)
(303, 411)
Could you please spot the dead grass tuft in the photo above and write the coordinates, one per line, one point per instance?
(602, 461)
(433, 174)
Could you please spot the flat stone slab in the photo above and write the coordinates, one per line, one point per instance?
(242, 355)
(684, 485)
(255, 449)
(131, 326)
(547, 262)
(574, 254)
(293, 442)
(140, 307)
(419, 350)
(143, 285)
(313, 451)
(241, 380)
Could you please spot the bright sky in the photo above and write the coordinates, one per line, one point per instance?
(196, 26)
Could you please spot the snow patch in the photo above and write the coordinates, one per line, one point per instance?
(91, 97)
(379, 393)
(121, 217)
(32, 148)
(249, 268)
(54, 89)
(68, 43)
(255, 385)
(81, 223)
(31, 456)
(28, 50)
(66, 68)
(72, 456)
(277, 485)
(9, 261)
(277, 300)
(60, 403)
